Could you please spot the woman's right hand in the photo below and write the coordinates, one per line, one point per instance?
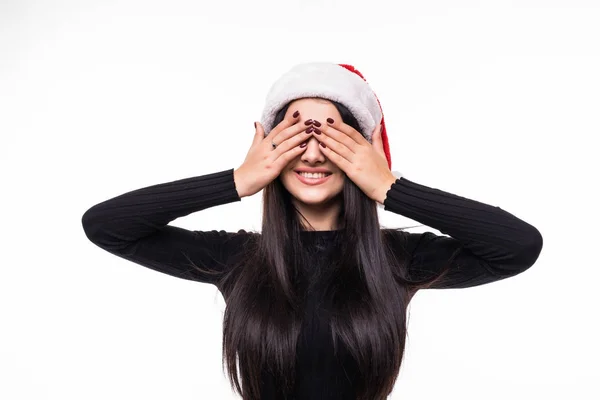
(263, 163)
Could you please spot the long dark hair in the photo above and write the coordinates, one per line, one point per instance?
(367, 292)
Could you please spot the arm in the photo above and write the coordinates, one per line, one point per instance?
(134, 226)
(493, 243)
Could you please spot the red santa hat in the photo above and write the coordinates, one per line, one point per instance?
(338, 82)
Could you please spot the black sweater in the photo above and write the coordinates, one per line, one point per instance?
(495, 245)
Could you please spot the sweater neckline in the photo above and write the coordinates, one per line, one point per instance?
(320, 233)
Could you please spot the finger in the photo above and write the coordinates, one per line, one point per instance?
(338, 160)
(298, 128)
(259, 133)
(285, 158)
(377, 143)
(296, 137)
(285, 123)
(349, 131)
(339, 148)
(340, 137)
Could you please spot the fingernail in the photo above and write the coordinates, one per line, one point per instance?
(296, 114)
(317, 131)
(322, 144)
(308, 122)
(255, 125)
(303, 144)
(330, 120)
(309, 130)
(316, 123)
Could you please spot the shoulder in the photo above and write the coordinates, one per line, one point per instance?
(240, 239)
(235, 243)
(227, 240)
(408, 243)
(402, 243)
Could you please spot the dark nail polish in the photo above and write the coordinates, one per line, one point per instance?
(317, 131)
(303, 144)
(255, 125)
(330, 120)
(296, 114)
(316, 123)
(308, 122)
(322, 144)
(309, 130)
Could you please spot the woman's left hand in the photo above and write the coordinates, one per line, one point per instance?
(364, 163)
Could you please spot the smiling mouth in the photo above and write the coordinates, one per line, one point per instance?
(325, 174)
(312, 181)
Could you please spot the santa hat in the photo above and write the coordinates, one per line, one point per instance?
(337, 82)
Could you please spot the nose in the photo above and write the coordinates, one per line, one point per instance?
(313, 153)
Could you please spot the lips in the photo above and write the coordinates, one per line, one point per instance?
(312, 181)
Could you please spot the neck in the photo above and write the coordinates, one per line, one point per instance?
(322, 216)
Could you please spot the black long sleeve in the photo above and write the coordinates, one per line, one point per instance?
(495, 244)
(134, 225)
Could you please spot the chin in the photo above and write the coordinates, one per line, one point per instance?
(314, 200)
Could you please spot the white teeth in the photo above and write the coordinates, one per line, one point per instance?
(313, 176)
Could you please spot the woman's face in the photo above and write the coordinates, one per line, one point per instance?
(312, 157)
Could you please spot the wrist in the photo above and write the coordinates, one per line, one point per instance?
(237, 181)
(386, 188)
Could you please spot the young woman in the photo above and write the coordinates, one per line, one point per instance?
(316, 302)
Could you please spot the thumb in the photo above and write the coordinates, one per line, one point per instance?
(377, 142)
(259, 133)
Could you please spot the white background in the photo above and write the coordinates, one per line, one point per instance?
(497, 101)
